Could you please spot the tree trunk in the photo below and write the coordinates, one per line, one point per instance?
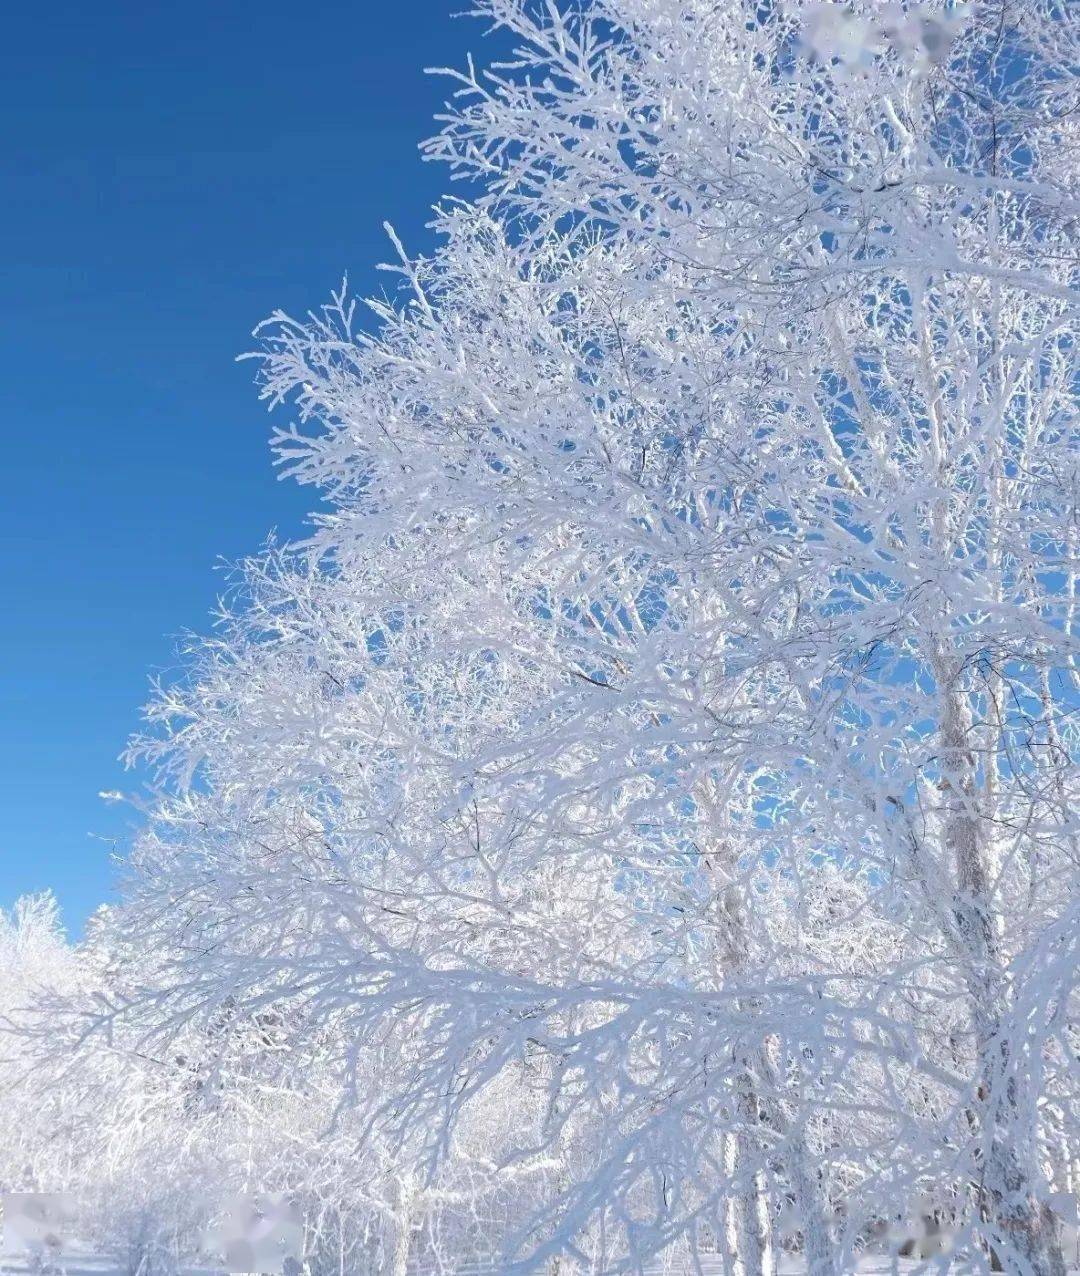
(1007, 1171)
(731, 1220)
(747, 1222)
(755, 1256)
(396, 1257)
(817, 1243)
(748, 1230)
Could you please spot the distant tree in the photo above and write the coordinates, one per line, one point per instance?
(35, 959)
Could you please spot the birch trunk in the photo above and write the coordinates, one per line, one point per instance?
(817, 1242)
(748, 1223)
(1025, 1231)
(396, 1261)
(754, 1240)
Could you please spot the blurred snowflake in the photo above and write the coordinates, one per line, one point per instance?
(923, 35)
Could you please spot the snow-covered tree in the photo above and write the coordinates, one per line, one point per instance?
(675, 711)
(35, 959)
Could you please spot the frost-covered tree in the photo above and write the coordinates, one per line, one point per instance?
(152, 1137)
(35, 959)
(675, 711)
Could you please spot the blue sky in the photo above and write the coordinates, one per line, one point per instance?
(170, 175)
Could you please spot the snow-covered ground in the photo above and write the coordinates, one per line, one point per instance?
(86, 1264)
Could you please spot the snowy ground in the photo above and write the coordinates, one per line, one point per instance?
(82, 1264)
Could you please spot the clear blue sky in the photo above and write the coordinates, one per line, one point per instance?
(169, 175)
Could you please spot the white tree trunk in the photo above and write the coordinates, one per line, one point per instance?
(754, 1239)
(731, 1213)
(1025, 1229)
(747, 1219)
(817, 1242)
(396, 1256)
